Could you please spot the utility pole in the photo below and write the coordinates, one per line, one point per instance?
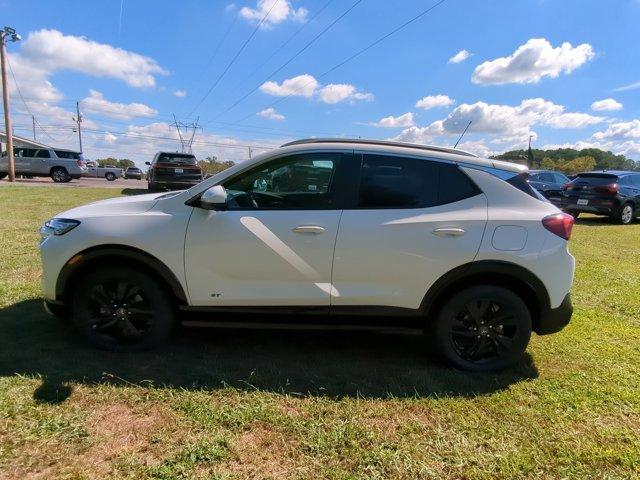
(78, 120)
(33, 124)
(249, 152)
(9, 34)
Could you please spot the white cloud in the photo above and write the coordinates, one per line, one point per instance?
(271, 114)
(620, 131)
(607, 104)
(573, 120)
(51, 51)
(433, 101)
(404, 120)
(300, 86)
(339, 92)
(307, 86)
(96, 103)
(460, 57)
(179, 93)
(278, 11)
(421, 134)
(508, 123)
(631, 86)
(532, 61)
(110, 138)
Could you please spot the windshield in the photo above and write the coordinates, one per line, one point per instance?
(179, 158)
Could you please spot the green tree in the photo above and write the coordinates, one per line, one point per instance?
(123, 163)
(210, 165)
(550, 164)
(579, 164)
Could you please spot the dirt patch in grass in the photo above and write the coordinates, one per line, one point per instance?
(261, 452)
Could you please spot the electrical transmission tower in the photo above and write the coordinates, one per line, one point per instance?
(186, 133)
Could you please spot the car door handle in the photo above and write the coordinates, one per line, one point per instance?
(448, 232)
(309, 229)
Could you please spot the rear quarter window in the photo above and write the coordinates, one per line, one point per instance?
(520, 182)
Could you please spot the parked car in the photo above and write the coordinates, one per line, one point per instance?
(110, 172)
(61, 165)
(133, 172)
(613, 193)
(396, 233)
(549, 184)
(173, 171)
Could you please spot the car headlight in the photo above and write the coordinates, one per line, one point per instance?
(57, 226)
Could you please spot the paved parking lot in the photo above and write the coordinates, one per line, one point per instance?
(120, 183)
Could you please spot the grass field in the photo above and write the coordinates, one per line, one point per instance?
(281, 404)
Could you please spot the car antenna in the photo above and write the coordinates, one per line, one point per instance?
(463, 132)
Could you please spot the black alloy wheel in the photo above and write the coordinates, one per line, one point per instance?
(123, 309)
(483, 328)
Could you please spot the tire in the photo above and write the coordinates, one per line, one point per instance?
(3, 175)
(483, 329)
(624, 216)
(152, 187)
(110, 176)
(123, 309)
(60, 175)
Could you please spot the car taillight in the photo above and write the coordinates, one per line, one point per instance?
(613, 188)
(560, 224)
(567, 186)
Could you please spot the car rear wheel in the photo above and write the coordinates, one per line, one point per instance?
(152, 187)
(119, 308)
(483, 328)
(60, 175)
(110, 176)
(625, 215)
(3, 175)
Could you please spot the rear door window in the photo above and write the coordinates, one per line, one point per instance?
(43, 154)
(66, 154)
(399, 182)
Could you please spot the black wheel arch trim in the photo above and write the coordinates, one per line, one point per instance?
(491, 272)
(83, 259)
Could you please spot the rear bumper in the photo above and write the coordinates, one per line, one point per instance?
(599, 206)
(555, 319)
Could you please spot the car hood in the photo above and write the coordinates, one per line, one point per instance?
(117, 206)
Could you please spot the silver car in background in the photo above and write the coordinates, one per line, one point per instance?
(59, 164)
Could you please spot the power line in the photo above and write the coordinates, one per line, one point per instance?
(352, 57)
(284, 44)
(217, 49)
(298, 53)
(235, 57)
(13, 75)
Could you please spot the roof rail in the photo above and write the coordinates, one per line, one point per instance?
(364, 141)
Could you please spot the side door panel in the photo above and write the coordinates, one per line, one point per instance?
(390, 256)
(268, 249)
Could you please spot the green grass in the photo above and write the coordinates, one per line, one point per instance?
(272, 404)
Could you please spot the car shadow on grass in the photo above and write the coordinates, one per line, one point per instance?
(304, 363)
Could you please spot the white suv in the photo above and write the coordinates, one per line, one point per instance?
(355, 229)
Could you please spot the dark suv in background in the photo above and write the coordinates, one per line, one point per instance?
(549, 183)
(173, 171)
(613, 193)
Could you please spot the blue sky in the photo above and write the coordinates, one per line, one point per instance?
(566, 72)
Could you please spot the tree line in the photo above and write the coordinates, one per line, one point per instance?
(572, 161)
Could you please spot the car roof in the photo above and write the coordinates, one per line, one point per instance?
(395, 148)
(611, 172)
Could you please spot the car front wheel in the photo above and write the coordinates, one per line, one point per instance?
(123, 309)
(483, 328)
(110, 176)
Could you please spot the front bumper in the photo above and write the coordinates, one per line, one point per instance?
(555, 319)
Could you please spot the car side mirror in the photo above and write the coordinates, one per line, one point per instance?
(215, 198)
(147, 163)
